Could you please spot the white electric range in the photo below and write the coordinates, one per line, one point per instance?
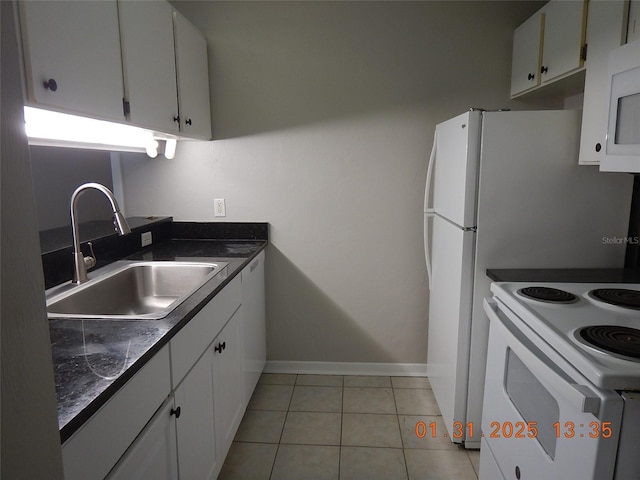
(562, 388)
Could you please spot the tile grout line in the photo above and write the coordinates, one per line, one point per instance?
(275, 457)
(341, 425)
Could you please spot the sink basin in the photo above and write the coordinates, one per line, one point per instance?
(141, 290)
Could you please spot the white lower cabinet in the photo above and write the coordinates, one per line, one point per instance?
(153, 455)
(196, 429)
(211, 405)
(228, 383)
(200, 409)
(254, 342)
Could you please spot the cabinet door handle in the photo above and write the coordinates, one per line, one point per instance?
(220, 347)
(50, 84)
(175, 412)
(531, 76)
(188, 121)
(544, 69)
(176, 119)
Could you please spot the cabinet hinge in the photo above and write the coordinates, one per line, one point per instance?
(126, 107)
(583, 53)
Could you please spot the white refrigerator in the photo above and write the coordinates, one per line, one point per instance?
(504, 190)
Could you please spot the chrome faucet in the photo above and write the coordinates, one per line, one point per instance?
(80, 262)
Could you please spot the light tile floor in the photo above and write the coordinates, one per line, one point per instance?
(317, 427)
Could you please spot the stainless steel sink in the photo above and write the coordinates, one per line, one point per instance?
(141, 290)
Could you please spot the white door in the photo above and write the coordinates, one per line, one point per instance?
(153, 456)
(456, 168)
(450, 319)
(564, 27)
(196, 429)
(525, 60)
(148, 59)
(193, 78)
(228, 383)
(74, 47)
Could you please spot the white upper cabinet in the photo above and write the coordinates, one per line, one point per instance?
(72, 57)
(564, 38)
(193, 79)
(548, 46)
(526, 59)
(633, 29)
(606, 30)
(148, 59)
(128, 61)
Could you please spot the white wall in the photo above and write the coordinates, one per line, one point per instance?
(30, 440)
(323, 115)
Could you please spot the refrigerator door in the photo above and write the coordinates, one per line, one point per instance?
(450, 319)
(456, 168)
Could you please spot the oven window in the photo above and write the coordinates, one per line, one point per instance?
(533, 401)
(628, 120)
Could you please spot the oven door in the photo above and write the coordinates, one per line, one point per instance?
(541, 418)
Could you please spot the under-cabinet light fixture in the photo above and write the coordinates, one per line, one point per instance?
(50, 128)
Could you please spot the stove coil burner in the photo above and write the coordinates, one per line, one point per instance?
(613, 339)
(620, 297)
(547, 294)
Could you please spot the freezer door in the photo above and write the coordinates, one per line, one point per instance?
(455, 175)
(450, 319)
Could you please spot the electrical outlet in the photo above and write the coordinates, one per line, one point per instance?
(219, 207)
(146, 239)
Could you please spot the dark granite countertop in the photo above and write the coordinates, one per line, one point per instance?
(565, 275)
(93, 359)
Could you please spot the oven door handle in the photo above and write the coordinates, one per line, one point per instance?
(539, 363)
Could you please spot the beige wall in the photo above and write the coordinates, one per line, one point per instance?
(323, 116)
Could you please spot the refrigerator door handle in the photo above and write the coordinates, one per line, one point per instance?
(427, 255)
(429, 212)
(432, 161)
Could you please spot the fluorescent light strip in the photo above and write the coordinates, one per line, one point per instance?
(45, 127)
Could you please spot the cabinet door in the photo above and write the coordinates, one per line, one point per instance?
(75, 48)
(564, 29)
(193, 79)
(153, 455)
(633, 29)
(148, 59)
(605, 31)
(197, 453)
(253, 324)
(525, 63)
(228, 383)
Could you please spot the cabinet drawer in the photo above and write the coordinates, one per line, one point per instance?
(197, 335)
(96, 447)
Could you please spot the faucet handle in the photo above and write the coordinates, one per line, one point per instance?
(90, 261)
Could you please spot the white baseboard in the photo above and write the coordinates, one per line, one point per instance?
(348, 368)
